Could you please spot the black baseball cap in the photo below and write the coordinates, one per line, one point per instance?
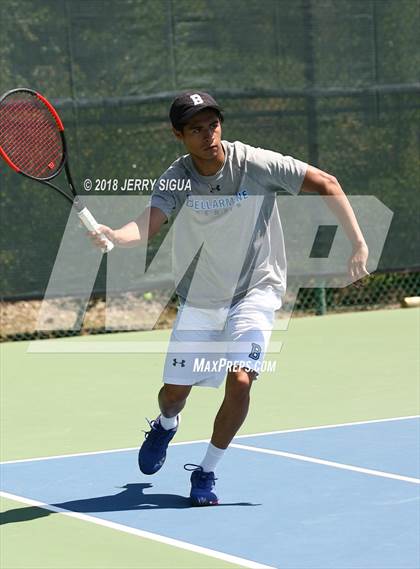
(190, 103)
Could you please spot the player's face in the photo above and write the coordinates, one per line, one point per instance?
(202, 135)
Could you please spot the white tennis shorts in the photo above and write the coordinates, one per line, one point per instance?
(205, 344)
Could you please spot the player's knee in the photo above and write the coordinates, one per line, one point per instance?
(239, 382)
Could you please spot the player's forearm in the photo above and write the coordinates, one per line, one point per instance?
(128, 235)
(141, 230)
(339, 204)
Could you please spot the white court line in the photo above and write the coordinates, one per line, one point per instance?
(141, 533)
(330, 426)
(333, 426)
(327, 463)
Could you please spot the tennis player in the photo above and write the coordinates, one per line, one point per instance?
(237, 317)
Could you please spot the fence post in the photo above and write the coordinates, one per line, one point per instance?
(320, 301)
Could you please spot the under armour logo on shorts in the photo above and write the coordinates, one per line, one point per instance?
(196, 99)
(176, 362)
(255, 351)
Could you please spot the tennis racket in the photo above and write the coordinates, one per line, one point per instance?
(32, 143)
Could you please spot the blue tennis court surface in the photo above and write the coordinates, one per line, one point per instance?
(275, 510)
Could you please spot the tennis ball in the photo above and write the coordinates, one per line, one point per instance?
(148, 296)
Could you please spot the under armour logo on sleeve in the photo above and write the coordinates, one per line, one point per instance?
(196, 99)
(181, 362)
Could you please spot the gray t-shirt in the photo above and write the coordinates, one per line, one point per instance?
(228, 233)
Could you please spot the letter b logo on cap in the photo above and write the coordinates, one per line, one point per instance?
(196, 99)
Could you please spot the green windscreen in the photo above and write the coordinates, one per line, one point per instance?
(331, 82)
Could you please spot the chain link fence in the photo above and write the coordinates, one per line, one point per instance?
(387, 290)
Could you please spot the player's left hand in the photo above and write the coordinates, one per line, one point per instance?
(357, 265)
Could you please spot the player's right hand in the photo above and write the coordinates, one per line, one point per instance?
(97, 238)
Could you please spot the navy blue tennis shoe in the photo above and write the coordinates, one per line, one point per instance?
(202, 485)
(152, 453)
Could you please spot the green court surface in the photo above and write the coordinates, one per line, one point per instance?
(334, 369)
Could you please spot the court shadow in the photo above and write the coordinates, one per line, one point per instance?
(131, 498)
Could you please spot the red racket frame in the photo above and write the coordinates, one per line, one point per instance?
(64, 161)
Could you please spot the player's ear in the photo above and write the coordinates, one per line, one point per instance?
(178, 133)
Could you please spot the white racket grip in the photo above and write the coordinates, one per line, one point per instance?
(90, 223)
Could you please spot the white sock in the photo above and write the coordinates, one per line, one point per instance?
(168, 423)
(212, 458)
